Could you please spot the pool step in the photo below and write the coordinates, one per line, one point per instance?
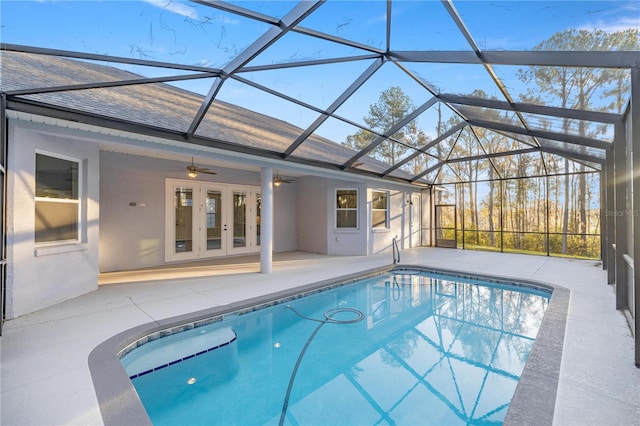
(170, 350)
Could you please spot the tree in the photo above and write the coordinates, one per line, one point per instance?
(618, 80)
(575, 88)
(392, 106)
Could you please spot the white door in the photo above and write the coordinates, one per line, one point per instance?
(210, 220)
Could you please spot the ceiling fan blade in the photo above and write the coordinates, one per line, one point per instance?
(279, 180)
(193, 170)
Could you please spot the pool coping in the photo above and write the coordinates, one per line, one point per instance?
(533, 401)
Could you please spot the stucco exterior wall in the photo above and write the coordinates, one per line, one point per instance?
(39, 276)
(317, 230)
(404, 221)
(131, 236)
(134, 236)
(285, 217)
(347, 242)
(125, 207)
(381, 239)
(312, 214)
(415, 216)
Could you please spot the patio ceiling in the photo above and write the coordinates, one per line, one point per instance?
(300, 82)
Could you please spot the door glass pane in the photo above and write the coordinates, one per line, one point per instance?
(183, 205)
(213, 212)
(239, 219)
(258, 206)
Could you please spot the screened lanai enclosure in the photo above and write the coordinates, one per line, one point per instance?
(517, 120)
(531, 209)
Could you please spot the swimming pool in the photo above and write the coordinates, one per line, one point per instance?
(403, 347)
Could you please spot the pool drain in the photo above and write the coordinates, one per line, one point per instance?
(331, 316)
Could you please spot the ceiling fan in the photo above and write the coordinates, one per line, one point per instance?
(277, 180)
(193, 170)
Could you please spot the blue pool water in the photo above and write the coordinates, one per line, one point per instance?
(410, 348)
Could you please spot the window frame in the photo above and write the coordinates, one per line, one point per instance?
(386, 225)
(338, 209)
(78, 201)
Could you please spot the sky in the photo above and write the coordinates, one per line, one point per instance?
(190, 33)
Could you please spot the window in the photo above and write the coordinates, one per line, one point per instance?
(57, 200)
(347, 208)
(379, 209)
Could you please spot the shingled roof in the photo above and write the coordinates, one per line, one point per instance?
(162, 107)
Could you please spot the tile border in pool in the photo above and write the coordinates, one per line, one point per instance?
(533, 401)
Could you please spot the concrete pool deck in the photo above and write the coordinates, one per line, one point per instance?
(46, 380)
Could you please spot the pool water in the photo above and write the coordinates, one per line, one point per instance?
(400, 348)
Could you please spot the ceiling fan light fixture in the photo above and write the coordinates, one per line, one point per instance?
(193, 170)
(277, 180)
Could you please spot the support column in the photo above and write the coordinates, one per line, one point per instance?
(634, 176)
(3, 205)
(620, 184)
(610, 217)
(266, 220)
(604, 254)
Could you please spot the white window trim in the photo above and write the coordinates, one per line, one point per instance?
(386, 227)
(63, 246)
(336, 209)
(59, 248)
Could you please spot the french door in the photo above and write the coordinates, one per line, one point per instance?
(206, 220)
